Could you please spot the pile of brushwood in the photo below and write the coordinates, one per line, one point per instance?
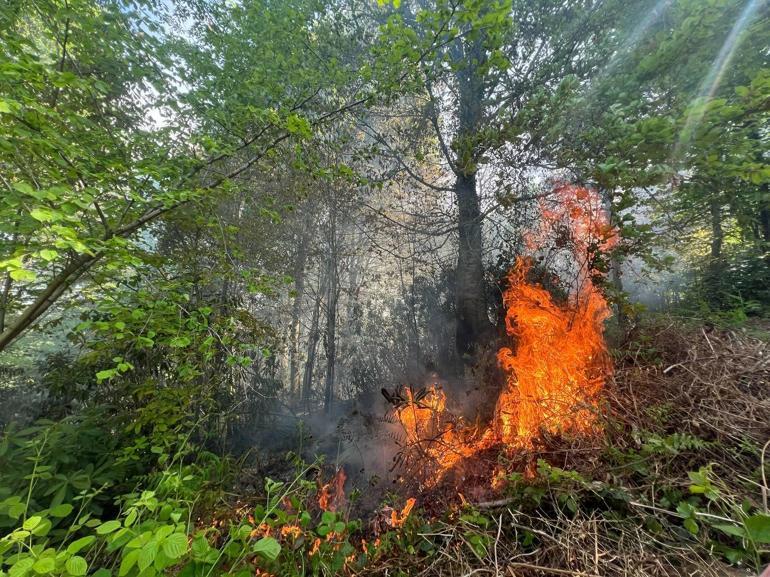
(676, 485)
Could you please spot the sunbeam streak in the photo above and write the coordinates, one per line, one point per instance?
(639, 32)
(713, 79)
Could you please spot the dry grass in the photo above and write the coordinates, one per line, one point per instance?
(698, 383)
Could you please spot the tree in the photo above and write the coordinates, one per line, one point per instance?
(494, 89)
(85, 170)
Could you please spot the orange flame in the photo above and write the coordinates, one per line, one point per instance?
(398, 519)
(558, 362)
(331, 496)
(431, 431)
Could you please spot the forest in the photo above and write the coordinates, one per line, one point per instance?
(384, 288)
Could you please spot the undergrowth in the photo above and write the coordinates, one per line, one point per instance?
(675, 488)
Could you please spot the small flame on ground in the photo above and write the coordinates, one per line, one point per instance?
(398, 519)
(331, 496)
(559, 360)
(431, 430)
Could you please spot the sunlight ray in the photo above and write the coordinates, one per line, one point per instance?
(713, 79)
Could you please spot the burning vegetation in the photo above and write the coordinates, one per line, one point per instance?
(557, 361)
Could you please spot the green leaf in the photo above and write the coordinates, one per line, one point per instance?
(179, 342)
(76, 566)
(45, 214)
(268, 547)
(4, 107)
(758, 528)
(43, 528)
(147, 555)
(108, 527)
(23, 275)
(21, 567)
(80, 544)
(61, 510)
(130, 518)
(32, 522)
(733, 530)
(104, 375)
(175, 545)
(23, 187)
(296, 124)
(128, 562)
(44, 565)
(48, 254)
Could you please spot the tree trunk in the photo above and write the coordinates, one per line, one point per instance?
(717, 234)
(5, 299)
(716, 294)
(414, 366)
(330, 338)
(52, 292)
(616, 265)
(300, 264)
(764, 231)
(473, 325)
(312, 342)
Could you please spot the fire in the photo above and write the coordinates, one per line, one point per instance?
(398, 519)
(559, 364)
(293, 531)
(331, 496)
(431, 430)
(558, 360)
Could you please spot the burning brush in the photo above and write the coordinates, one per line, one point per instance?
(404, 395)
(556, 367)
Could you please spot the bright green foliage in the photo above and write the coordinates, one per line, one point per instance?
(96, 109)
(84, 165)
(154, 527)
(673, 123)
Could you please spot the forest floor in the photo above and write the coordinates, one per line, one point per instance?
(674, 487)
